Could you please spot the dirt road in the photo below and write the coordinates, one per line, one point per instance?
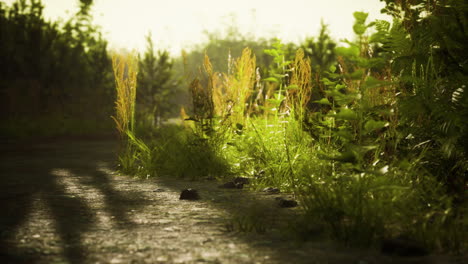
(63, 202)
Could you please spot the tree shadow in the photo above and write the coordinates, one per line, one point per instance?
(35, 174)
(28, 178)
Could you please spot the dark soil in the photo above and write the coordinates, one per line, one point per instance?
(63, 202)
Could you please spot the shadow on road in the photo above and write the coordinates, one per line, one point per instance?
(54, 178)
(29, 178)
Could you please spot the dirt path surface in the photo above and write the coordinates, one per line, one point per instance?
(63, 202)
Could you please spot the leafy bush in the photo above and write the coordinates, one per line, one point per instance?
(343, 139)
(53, 71)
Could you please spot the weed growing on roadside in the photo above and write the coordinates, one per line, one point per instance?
(135, 157)
(125, 75)
(339, 158)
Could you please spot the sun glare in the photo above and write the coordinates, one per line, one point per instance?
(179, 24)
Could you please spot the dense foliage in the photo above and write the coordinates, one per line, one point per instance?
(428, 46)
(156, 86)
(368, 134)
(56, 77)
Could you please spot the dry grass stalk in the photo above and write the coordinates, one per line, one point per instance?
(125, 74)
(219, 97)
(238, 86)
(202, 95)
(300, 83)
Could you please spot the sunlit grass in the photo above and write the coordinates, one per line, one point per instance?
(338, 162)
(125, 75)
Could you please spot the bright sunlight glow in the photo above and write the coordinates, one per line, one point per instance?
(177, 24)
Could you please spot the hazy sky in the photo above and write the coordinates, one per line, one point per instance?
(177, 24)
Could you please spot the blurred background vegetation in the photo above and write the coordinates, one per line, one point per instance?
(58, 74)
(56, 77)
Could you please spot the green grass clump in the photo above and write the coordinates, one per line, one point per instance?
(186, 154)
(343, 155)
(132, 152)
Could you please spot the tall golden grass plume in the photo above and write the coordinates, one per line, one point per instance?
(202, 92)
(225, 95)
(219, 96)
(300, 89)
(239, 84)
(210, 85)
(245, 67)
(125, 74)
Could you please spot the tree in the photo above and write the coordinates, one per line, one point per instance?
(156, 86)
(320, 50)
(53, 71)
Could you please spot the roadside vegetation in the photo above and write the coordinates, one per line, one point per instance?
(368, 134)
(56, 76)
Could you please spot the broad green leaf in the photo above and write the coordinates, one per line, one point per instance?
(278, 76)
(360, 17)
(341, 98)
(340, 86)
(365, 149)
(333, 93)
(327, 122)
(326, 81)
(292, 87)
(352, 51)
(323, 101)
(357, 75)
(359, 28)
(346, 114)
(271, 79)
(279, 96)
(373, 125)
(271, 52)
(273, 101)
(286, 63)
(333, 75)
(332, 68)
